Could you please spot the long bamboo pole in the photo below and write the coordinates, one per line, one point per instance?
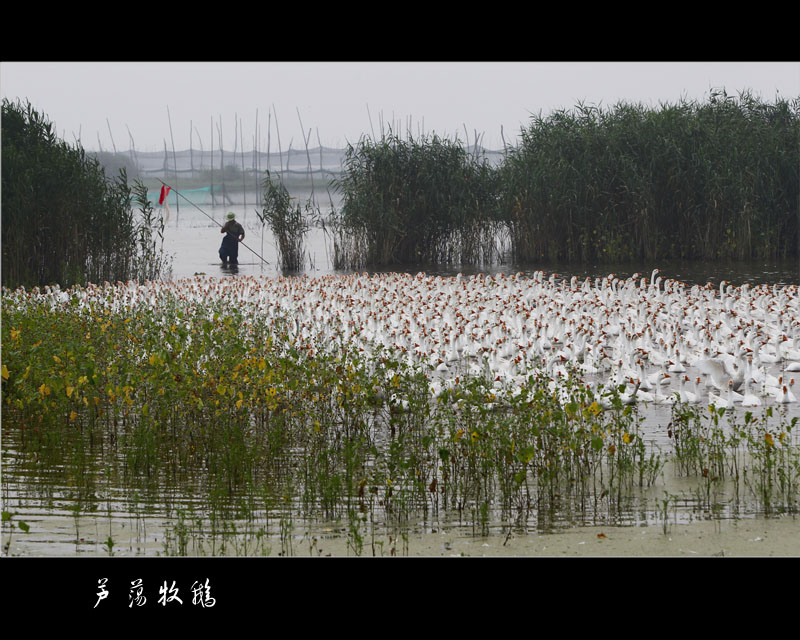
(244, 173)
(208, 216)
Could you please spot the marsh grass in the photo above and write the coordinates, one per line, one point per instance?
(151, 261)
(708, 180)
(64, 220)
(414, 201)
(689, 180)
(288, 222)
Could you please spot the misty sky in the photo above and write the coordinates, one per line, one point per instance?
(336, 100)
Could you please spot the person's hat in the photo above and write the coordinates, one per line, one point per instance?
(231, 215)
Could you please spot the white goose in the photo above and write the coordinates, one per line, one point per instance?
(720, 402)
(685, 395)
(750, 399)
(785, 396)
(788, 350)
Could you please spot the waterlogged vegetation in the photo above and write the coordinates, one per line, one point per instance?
(748, 454)
(288, 222)
(713, 180)
(686, 180)
(415, 201)
(246, 427)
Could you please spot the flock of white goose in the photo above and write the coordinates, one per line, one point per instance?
(723, 345)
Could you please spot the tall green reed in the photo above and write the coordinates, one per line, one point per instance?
(287, 221)
(64, 221)
(687, 180)
(414, 201)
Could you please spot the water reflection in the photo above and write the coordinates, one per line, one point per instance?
(82, 499)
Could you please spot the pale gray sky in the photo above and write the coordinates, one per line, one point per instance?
(335, 100)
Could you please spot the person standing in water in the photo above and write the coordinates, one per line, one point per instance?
(234, 234)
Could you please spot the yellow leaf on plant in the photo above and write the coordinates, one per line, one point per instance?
(4, 372)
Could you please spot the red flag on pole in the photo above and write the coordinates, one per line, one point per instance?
(164, 193)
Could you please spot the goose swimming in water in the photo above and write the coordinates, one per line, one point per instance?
(720, 402)
(686, 396)
(785, 396)
(718, 375)
(750, 399)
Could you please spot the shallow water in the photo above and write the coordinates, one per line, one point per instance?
(192, 238)
(75, 504)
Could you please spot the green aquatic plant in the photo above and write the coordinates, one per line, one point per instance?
(414, 201)
(150, 262)
(64, 220)
(288, 222)
(713, 179)
(8, 521)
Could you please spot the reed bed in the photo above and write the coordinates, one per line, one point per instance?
(287, 221)
(275, 411)
(690, 180)
(687, 180)
(414, 201)
(64, 220)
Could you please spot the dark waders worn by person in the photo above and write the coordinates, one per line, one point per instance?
(234, 234)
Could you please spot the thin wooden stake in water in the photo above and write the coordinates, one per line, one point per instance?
(110, 135)
(175, 165)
